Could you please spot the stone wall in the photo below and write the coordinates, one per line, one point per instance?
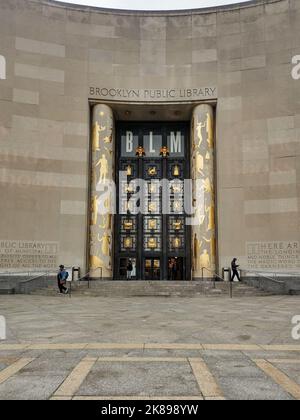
(54, 54)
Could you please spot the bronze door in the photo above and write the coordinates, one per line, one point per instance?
(152, 234)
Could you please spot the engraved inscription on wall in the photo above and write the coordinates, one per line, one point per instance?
(155, 95)
(273, 255)
(32, 255)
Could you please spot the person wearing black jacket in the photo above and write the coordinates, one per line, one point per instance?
(129, 270)
(62, 278)
(234, 268)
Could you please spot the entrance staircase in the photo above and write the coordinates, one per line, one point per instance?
(155, 289)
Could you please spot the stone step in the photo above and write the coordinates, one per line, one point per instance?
(7, 291)
(152, 289)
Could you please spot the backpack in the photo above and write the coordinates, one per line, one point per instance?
(63, 277)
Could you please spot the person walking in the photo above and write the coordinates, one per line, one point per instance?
(62, 278)
(234, 268)
(129, 270)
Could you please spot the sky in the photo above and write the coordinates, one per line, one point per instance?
(153, 4)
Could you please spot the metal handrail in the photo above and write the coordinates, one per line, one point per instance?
(259, 274)
(214, 275)
(87, 278)
(212, 272)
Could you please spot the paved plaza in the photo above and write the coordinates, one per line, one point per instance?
(147, 348)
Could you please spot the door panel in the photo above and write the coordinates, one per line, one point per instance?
(157, 234)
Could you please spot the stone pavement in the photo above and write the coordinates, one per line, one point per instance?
(147, 348)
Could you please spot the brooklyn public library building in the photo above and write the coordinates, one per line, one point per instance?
(204, 101)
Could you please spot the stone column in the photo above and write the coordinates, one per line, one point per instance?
(102, 200)
(204, 229)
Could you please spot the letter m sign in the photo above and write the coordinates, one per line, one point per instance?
(2, 68)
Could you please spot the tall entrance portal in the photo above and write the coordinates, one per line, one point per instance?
(153, 241)
(142, 231)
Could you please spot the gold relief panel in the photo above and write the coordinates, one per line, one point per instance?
(176, 170)
(156, 263)
(129, 170)
(153, 207)
(177, 243)
(177, 225)
(152, 243)
(128, 243)
(152, 171)
(127, 224)
(152, 224)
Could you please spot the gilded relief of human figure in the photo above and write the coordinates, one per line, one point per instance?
(103, 163)
(200, 125)
(97, 129)
(105, 240)
(96, 137)
(94, 210)
(210, 210)
(205, 259)
(210, 130)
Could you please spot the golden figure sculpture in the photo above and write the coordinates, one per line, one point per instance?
(209, 130)
(177, 225)
(105, 240)
(128, 243)
(176, 170)
(103, 163)
(177, 243)
(200, 125)
(128, 225)
(94, 210)
(210, 210)
(152, 224)
(152, 244)
(96, 137)
(204, 259)
(207, 157)
(152, 171)
(129, 170)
